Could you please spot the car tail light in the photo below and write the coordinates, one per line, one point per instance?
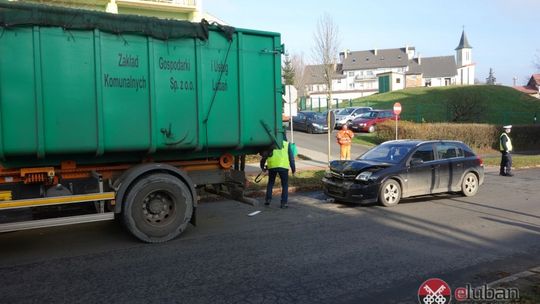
(480, 161)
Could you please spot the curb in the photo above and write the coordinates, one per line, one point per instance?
(514, 277)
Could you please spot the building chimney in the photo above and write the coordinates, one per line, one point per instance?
(375, 52)
(419, 58)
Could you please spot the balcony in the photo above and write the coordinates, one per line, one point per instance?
(185, 6)
(360, 78)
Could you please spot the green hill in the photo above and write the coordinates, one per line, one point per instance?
(480, 103)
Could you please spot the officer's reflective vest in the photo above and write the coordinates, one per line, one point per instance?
(279, 158)
(508, 142)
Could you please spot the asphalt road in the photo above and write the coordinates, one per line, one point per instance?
(313, 252)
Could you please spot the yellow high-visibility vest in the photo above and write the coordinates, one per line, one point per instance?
(508, 142)
(279, 158)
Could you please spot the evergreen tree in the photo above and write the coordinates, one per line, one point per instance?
(491, 78)
(288, 71)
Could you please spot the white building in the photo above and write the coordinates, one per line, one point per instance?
(465, 65)
(363, 73)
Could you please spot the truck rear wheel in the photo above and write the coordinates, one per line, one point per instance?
(157, 208)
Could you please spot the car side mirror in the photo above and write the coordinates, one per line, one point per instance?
(416, 161)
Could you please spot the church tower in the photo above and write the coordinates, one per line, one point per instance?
(465, 65)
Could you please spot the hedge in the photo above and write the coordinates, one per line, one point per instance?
(477, 136)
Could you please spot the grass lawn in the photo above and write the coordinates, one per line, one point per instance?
(501, 104)
(518, 161)
(366, 139)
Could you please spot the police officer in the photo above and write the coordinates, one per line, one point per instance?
(505, 146)
(279, 162)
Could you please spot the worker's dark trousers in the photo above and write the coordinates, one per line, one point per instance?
(506, 163)
(284, 177)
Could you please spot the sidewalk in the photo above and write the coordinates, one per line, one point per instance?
(527, 282)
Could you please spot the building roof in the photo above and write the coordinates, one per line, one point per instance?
(535, 80)
(463, 42)
(532, 87)
(314, 74)
(387, 58)
(526, 89)
(433, 67)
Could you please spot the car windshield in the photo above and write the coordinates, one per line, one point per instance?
(370, 114)
(388, 153)
(310, 115)
(346, 111)
(320, 115)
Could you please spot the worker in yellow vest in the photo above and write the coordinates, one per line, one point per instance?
(279, 162)
(505, 146)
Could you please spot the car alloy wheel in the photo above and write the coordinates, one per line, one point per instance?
(469, 185)
(390, 193)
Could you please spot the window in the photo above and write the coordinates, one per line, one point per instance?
(339, 81)
(351, 85)
(369, 73)
(448, 150)
(424, 153)
(428, 82)
(398, 80)
(351, 74)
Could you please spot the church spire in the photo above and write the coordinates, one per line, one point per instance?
(463, 42)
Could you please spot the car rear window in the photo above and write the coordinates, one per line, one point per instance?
(448, 150)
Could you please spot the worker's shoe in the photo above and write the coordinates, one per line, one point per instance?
(284, 205)
(509, 174)
(267, 202)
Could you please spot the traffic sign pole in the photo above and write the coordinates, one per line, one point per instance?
(397, 111)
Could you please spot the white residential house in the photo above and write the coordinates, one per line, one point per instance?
(359, 73)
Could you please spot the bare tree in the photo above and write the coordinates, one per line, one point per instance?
(325, 53)
(326, 49)
(299, 67)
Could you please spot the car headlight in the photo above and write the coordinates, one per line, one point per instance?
(362, 124)
(364, 176)
(317, 125)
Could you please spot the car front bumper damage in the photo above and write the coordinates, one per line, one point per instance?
(349, 191)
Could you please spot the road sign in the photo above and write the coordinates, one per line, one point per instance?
(397, 108)
(291, 94)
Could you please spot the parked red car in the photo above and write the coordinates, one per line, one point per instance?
(367, 122)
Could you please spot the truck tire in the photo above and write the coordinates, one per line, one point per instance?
(157, 208)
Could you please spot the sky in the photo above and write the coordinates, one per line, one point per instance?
(503, 33)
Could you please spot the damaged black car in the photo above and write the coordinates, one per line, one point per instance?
(404, 168)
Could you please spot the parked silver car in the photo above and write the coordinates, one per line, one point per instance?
(347, 115)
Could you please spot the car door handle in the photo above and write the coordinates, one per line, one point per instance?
(459, 165)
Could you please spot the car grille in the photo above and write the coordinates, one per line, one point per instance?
(336, 191)
(343, 176)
